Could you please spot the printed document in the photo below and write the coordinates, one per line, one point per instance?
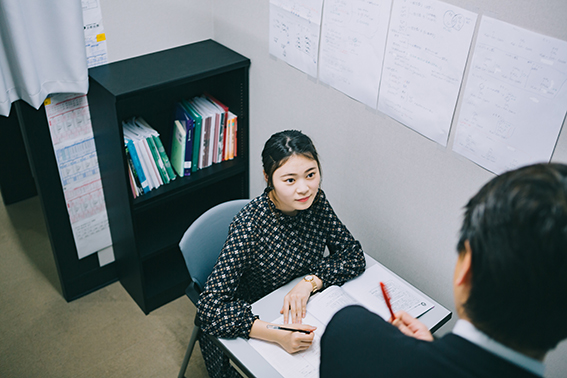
(71, 132)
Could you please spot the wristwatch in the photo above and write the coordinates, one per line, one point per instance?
(311, 279)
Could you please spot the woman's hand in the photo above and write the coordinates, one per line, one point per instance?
(293, 342)
(411, 326)
(295, 302)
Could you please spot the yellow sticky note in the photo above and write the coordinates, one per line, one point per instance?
(101, 37)
(47, 101)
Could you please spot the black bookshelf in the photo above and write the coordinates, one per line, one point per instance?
(146, 230)
(16, 179)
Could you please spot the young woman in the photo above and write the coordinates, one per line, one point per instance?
(278, 236)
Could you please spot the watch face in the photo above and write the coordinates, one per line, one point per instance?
(308, 278)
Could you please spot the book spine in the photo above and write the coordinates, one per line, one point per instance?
(231, 143)
(177, 147)
(157, 160)
(132, 184)
(188, 164)
(215, 139)
(135, 179)
(205, 144)
(235, 136)
(226, 142)
(152, 164)
(164, 158)
(221, 138)
(196, 145)
(138, 166)
(142, 154)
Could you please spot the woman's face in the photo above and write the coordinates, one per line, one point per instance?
(296, 184)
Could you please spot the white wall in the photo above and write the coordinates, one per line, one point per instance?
(400, 194)
(140, 27)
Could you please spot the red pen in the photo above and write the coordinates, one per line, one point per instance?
(387, 299)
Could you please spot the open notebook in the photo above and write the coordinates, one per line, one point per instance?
(363, 290)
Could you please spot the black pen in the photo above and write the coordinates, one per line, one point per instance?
(271, 326)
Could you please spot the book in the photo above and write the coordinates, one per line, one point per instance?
(365, 291)
(207, 130)
(135, 192)
(129, 143)
(184, 116)
(148, 132)
(231, 135)
(146, 160)
(178, 146)
(168, 170)
(218, 115)
(198, 121)
(222, 130)
(135, 179)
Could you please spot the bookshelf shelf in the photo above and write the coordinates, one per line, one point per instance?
(146, 230)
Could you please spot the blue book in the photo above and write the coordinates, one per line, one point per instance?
(137, 165)
(182, 115)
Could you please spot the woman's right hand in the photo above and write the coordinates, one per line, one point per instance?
(293, 342)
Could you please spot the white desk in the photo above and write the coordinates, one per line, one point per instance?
(254, 365)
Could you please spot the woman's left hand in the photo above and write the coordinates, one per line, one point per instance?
(295, 302)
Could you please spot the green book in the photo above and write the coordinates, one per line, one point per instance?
(178, 147)
(197, 136)
(148, 133)
(157, 158)
(164, 157)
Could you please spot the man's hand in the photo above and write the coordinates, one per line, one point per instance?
(411, 326)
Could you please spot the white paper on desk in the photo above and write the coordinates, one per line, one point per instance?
(353, 39)
(71, 132)
(294, 32)
(515, 98)
(303, 364)
(364, 290)
(426, 52)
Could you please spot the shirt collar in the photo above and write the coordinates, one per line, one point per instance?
(468, 331)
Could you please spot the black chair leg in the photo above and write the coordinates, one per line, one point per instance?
(192, 341)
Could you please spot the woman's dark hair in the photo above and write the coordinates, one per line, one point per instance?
(281, 146)
(517, 229)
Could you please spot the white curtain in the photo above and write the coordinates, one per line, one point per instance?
(42, 50)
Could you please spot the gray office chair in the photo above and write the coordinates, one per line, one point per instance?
(201, 245)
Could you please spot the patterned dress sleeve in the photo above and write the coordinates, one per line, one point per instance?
(220, 312)
(346, 259)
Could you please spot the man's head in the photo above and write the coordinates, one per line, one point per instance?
(515, 232)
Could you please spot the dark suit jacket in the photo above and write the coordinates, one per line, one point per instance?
(358, 343)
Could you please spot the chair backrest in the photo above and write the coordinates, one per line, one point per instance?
(202, 242)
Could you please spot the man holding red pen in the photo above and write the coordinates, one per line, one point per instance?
(510, 290)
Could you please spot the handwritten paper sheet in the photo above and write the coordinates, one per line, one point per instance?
(353, 39)
(426, 53)
(515, 98)
(294, 32)
(73, 142)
